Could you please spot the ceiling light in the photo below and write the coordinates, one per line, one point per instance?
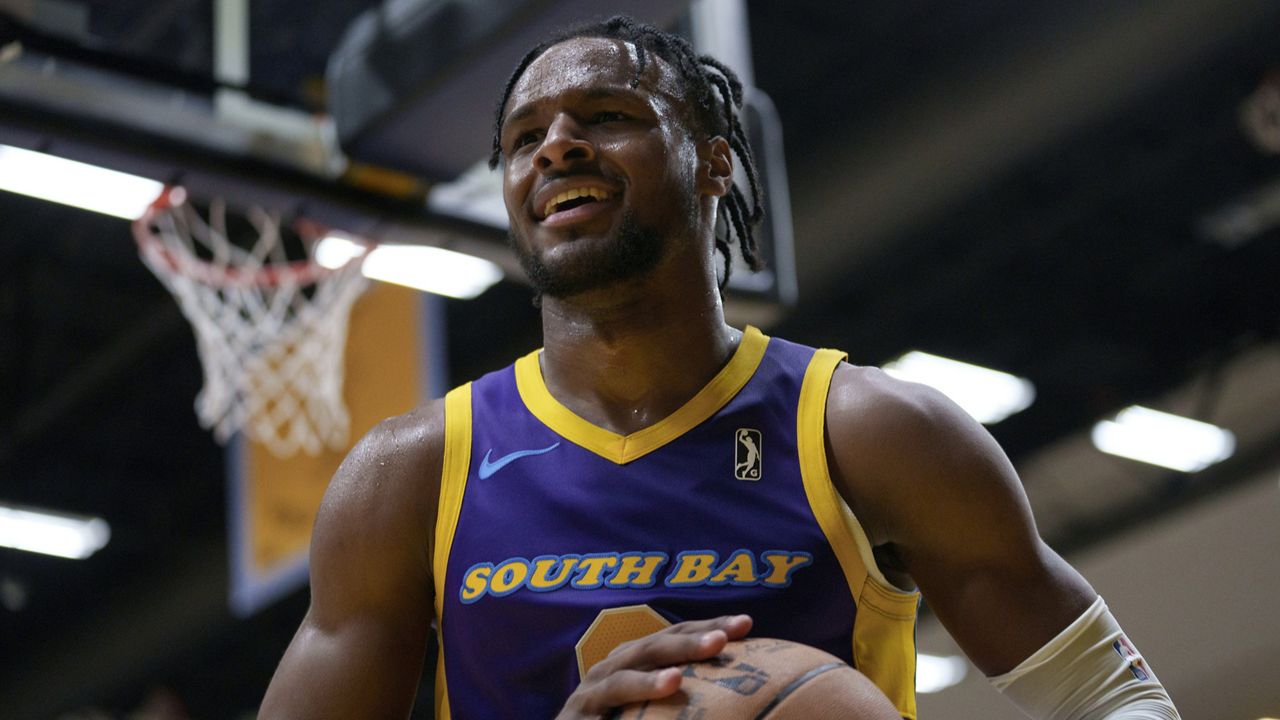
(334, 251)
(421, 267)
(68, 536)
(1162, 439)
(988, 395)
(934, 673)
(75, 183)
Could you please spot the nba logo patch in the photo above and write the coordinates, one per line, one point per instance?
(747, 454)
(1126, 650)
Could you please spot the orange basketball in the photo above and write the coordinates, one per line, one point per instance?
(761, 678)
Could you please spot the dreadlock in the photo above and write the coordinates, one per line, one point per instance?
(713, 96)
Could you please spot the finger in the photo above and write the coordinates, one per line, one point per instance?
(732, 625)
(735, 626)
(628, 686)
(664, 649)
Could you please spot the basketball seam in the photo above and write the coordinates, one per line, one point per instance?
(795, 685)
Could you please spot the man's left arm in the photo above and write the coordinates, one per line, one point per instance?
(936, 493)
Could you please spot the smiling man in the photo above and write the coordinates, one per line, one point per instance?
(655, 476)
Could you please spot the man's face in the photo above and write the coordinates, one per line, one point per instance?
(598, 177)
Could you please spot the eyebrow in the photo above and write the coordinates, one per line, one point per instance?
(528, 109)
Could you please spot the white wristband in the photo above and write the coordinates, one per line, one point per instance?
(1090, 670)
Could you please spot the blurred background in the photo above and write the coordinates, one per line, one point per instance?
(1083, 196)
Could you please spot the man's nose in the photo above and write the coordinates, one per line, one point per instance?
(563, 145)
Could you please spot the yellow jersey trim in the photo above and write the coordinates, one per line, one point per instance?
(843, 531)
(884, 643)
(884, 629)
(453, 485)
(623, 449)
(442, 688)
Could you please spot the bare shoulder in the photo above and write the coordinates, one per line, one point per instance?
(874, 402)
(381, 502)
(893, 443)
(894, 421)
(394, 466)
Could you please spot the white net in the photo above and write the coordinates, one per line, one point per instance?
(271, 332)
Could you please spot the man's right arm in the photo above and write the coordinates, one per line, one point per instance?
(359, 651)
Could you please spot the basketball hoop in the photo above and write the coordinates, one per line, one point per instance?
(271, 331)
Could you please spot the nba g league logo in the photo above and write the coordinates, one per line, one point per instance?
(747, 454)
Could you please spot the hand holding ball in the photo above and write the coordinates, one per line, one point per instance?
(765, 679)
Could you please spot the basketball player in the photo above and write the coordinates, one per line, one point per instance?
(653, 466)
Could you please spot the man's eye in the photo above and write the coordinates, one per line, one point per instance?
(524, 139)
(608, 116)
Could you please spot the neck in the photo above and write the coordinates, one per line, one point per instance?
(629, 355)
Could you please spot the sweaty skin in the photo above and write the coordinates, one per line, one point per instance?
(935, 493)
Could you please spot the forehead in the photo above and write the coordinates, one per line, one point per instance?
(580, 65)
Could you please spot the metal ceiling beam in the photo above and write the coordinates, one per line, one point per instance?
(179, 137)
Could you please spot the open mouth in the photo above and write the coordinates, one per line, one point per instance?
(574, 197)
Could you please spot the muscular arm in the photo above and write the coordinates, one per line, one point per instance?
(359, 651)
(933, 488)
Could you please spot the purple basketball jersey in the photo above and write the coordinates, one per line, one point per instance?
(706, 513)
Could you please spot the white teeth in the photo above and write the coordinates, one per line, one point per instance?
(592, 192)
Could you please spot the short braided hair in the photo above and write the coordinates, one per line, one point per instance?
(713, 99)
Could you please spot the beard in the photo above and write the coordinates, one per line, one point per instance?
(634, 253)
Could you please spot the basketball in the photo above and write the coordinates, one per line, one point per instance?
(767, 678)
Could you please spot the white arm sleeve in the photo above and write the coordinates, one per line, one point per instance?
(1090, 671)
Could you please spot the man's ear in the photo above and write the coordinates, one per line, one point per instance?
(715, 167)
